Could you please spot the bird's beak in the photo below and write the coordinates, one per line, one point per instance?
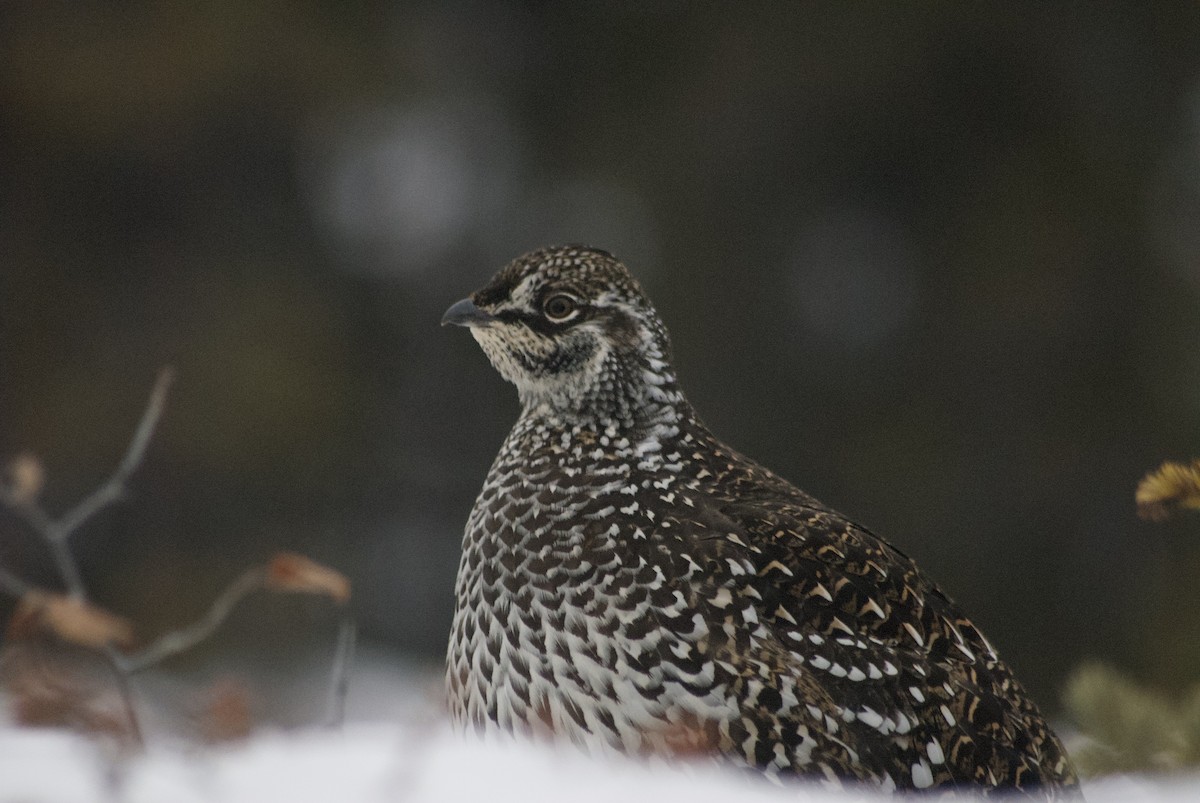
(465, 313)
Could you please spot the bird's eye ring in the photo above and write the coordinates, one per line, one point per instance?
(559, 307)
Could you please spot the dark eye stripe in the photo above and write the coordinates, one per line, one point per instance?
(539, 323)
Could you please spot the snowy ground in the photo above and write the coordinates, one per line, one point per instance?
(388, 762)
(395, 748)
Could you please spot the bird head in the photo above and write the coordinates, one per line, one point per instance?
(571, 328)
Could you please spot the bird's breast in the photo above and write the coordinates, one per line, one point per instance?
(565, 621)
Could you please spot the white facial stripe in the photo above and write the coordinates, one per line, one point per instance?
(522, 296)
(609, 297)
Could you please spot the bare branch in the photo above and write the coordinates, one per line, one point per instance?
(125, 688)
(12, 585)
(339, 677)
(114, 489)
(29, 510)
(67, 568)
(74, 619)
(22, 498)
(56, 532)
(177, 641)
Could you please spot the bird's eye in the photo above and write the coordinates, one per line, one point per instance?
(559, 307)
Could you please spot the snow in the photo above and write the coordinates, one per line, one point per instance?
(391, 761)
(380, 762)
(397, 746)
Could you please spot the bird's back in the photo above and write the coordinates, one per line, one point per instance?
(917, 684)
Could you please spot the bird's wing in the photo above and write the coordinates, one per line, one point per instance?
(903, 677)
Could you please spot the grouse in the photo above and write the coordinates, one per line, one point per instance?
(629, 583)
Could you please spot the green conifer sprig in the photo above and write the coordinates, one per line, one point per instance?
(1128, 727)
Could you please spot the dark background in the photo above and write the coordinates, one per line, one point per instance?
(939, 265)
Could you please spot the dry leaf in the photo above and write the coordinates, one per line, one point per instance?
(1172, 486)
(24, 478)
(42, 694)
(227, 712)
(289, 571)
(71, 620)
(50, 688)
(61, 703)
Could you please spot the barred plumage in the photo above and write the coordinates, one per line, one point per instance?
(631, 584)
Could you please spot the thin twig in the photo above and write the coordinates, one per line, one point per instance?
(125, 689)
(32, 513)
(56, 532)
(177, 641)
(67, 568)
(114, 489)
(339, 678)
(12, 585)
